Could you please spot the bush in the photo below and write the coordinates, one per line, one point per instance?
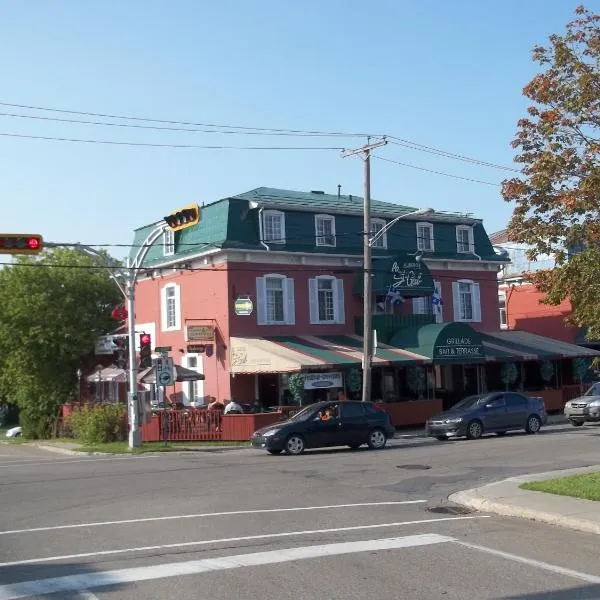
(98, 424)
(36, 425)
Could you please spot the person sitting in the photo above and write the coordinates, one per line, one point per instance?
(233, 408)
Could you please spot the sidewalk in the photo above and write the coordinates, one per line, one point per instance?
(506, 498)
(75, 449)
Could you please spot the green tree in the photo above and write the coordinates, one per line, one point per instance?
(52, 309)
(557, 196)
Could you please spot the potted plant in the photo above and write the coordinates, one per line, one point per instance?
(354, 382)
(296, 387)
(547, 372)
(508, 374)
(416, 380)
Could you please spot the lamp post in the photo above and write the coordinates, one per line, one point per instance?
(79, 374)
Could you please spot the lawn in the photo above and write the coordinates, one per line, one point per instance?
(123, 447)
(585, 486)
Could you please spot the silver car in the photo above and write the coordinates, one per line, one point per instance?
(584, 409)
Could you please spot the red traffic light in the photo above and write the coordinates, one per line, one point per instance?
(145, 339)
(33, 243)
(20, 243)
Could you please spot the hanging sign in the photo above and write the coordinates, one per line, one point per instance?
(243, 306)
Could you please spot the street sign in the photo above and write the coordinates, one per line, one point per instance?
(163, 349)
(243, 306)
(164, 371)
(196, 348)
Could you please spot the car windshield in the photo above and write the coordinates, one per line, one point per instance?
(594, 390)
(304, 414)
(468, 402)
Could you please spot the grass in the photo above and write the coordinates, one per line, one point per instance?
(123, 447)
(586, 486)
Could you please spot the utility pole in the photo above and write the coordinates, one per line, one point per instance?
(365, 153)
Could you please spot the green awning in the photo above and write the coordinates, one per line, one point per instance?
(403, 275)
(442, 342)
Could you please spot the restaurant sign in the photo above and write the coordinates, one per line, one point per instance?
(314, 381)
(401, 275)
(463, 347)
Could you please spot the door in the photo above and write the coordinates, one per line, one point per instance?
(516, 410)
(494, 413)
(325, 432)
(354, 424)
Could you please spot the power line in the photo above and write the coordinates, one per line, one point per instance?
(157, 145)
(436, 172)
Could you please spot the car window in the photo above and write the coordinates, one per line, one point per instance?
(352, 410)
(468, 402)
(495, 402)
(515, 401)
(594, 390)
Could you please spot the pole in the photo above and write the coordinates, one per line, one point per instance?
(132, 397)
(367, 329)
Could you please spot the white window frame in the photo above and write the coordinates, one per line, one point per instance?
(164, 307)
(420, 240)
(339, 313)
(198, 386)
(320, 240)
(381, 242)
(475, 299)
(502, 310)
(289, 308)
(459, 242)
(273, 213)
(168, 242)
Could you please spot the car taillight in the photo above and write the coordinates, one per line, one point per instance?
(379, 406)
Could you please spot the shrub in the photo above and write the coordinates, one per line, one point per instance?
(98, 424)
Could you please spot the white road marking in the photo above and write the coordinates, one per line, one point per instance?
(85, 595)
(70, 583)
(206, 515)
(264, 536)
(534, 563)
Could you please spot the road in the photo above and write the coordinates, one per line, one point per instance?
(332, 525)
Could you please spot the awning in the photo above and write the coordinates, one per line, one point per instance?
(108, 374)
(181, 374)
(442, 342)
(403, 275)
(288, 354)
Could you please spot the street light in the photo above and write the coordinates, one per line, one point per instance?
(79, 374)
(367, 264)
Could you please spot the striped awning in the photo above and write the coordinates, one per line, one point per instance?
(288, 354)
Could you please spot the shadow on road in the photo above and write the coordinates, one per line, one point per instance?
(65, 581)
(586, 592)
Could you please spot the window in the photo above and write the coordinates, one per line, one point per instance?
(515, 401)
(273, 227)
(464, 239)
(168, 242)
(420, 306)
(376, 226)
(353, 410)
(326, 300)
(194, 390)
(466, 299)
(170, 307)
(325, 230)
(495, 402)
(275, 295)
(502, 307)
(425, 237)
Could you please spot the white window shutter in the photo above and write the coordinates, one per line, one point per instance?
(261, 301)
(439, 308)
(456, 300)
(177, 307)
(340, 314)
(313, 301)
(476, 303)
(163, 308)
(289, 308)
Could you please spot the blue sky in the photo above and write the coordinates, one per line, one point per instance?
(442, 74)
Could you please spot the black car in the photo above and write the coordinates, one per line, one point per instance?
(325, 424)
(495, 412)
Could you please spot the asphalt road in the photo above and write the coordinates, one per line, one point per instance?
(332, 525)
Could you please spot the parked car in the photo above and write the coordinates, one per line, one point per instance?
(326, 424)
(14, 432)
(584, 409)
(494, 412)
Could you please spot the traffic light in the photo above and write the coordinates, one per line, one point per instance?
(21, 243)
(185, 217)
(145, 350)
(122, 344)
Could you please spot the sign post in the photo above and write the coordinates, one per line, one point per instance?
(164, 377)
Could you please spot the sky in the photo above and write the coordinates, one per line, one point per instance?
(447, 75)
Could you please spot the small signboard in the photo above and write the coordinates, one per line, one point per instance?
(243, 306)
(315, 381)
(196, 348)
(165, 371)
(199, 333)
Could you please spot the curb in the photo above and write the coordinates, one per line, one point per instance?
(56, 449)
(476, 499)
(82, 451)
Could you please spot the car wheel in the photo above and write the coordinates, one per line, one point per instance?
(274, 451)
(534, 424)
(294, 444)
(354, 446)
(441, 438)
(474, 430)
(576, 423)
(500, 433)
(377, 439)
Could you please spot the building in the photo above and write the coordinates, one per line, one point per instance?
(269, 283)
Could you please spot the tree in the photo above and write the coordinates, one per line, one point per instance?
(296, 387)
(52, 309)
(558, 194)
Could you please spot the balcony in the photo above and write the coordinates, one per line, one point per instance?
(387, 325)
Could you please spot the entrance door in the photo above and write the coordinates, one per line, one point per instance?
(268, 389)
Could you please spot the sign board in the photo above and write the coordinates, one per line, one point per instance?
(243, 306)
(463, 347)
(164, 371)
(315, 381)
(199, 333)
(196, 348)
(163, 349)
(105, 344)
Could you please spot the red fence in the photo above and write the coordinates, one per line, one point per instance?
(190, 424)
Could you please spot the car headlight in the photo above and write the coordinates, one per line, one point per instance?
(595, 404)
(456, 420)
(270, 433)
(568, 404)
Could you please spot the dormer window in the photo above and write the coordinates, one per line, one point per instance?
(464, 239)
(376, 226)
(273, 227)
(325, 230)
(425, 237)
(168, 242)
